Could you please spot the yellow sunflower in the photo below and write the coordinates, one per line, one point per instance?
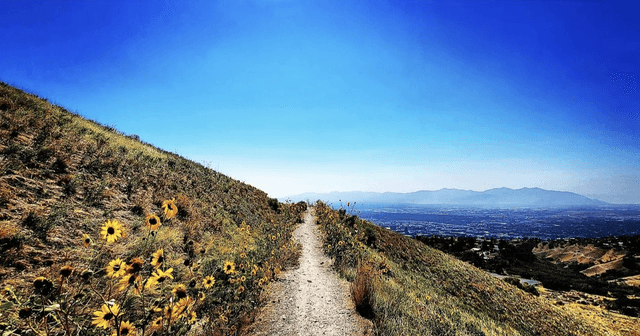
(241, 289)
(180, 291)
(182, 306)
(86, 240)
(162, 276)
(194, 318)
(105, 316)
(170, 312)
(159, 277)
(130, 280)
(111, 231)
(116, 268)
(152, 221)
(170, 209)
(126, 329)
(156, 325)
(135, 265)
(157, 258)
(229, 267)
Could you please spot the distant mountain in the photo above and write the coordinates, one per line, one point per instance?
(534, 197)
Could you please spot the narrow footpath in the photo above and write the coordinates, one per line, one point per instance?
(310, 300)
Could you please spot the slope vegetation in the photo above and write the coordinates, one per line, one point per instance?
(408, 288)
(102, 234)
(602, 260)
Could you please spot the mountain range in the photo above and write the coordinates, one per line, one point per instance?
(534, 197)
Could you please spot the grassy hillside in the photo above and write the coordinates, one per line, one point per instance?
(408, 288)
(102, 234)
(602, 270)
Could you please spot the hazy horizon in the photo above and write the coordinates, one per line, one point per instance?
(293, 96)
(433, 190)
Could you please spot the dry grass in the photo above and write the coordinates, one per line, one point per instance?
(63, 177)
(422, 291)
(116, 139)
(362, 289)
(603, 259)
(8, 230)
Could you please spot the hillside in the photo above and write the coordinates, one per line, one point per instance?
(101, 233)
(528, 197)
(408, 288)
(592, 271)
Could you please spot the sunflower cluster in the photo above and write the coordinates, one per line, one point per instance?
(101, 174)
(132, 279)
(126, 282)
(151, 288)
(179, 310)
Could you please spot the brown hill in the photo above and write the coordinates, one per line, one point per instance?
(602, 260)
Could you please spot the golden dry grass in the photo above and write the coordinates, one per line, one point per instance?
(362, 289)
(64, 177)
(422, 291)
(588, 254)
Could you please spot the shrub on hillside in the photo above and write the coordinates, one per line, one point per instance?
(362, 289)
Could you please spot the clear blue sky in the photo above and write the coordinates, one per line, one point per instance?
(300, 96)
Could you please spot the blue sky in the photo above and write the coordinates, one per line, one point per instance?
(300, 96)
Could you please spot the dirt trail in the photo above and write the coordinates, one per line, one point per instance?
(310, 300)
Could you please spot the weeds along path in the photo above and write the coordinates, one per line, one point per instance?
(310, 300)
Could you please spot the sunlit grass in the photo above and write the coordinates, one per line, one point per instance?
(66, 182)
(407, 288)
(116, 139)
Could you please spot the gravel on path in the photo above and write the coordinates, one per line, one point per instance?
(310, 300)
